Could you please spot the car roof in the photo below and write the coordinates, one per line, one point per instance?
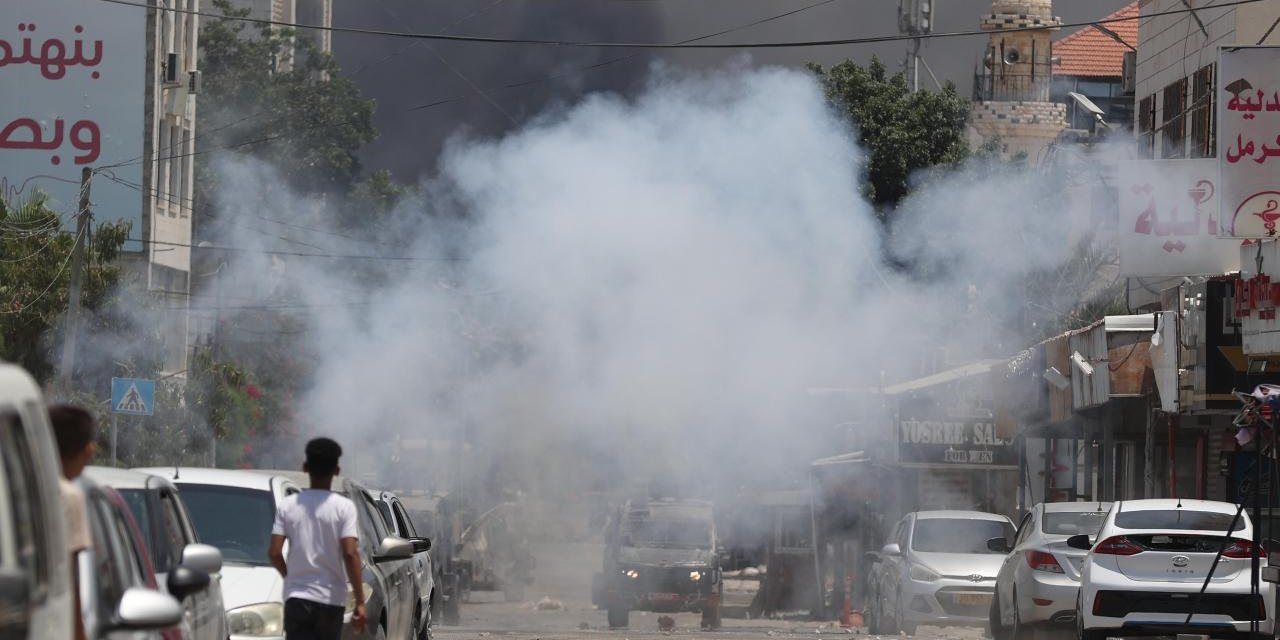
(223, 477)
(125, 478)
(1075, 507)
(301, 478)
(1162, 504)
(15, 381)
(960, 515)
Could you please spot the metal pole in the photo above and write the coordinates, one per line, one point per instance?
(1172, 462)
(73, 291)
(1149, 456)
(115, 439)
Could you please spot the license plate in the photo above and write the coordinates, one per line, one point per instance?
(664, 597)
(972, 599)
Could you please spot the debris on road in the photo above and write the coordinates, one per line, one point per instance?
(547, 603)
(666, 623)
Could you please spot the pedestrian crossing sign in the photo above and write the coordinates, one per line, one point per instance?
(133, 396)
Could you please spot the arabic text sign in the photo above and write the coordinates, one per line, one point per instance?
(1248, 115)
(1169, 220)
(72, 73)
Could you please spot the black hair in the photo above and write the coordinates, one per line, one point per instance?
(322, 457)
(72, 428)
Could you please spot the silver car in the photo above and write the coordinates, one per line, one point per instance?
(936, 569)
(1040, 578)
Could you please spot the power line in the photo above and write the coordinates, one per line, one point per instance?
(674, 45)
(302, 254)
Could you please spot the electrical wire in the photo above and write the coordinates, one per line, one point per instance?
(658, 45)
(302, 254)
(56, 276)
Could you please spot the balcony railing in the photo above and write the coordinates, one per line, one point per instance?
(1011, 87)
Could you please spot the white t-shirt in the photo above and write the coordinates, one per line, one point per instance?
(74, 515)
(315, 522)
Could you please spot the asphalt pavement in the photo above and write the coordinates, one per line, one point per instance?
(558, 606)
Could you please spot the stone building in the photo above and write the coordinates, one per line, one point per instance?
(1011, 92)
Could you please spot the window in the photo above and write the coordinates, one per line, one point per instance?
(1178, 519)
(954, 535)
(237, 521)
(110, 574)
(172, 538)
(403, 523)
(25, 504)
(1174, 125)
(1203, 140)
(1072, 523)
(1024, 529)
(1146, 126)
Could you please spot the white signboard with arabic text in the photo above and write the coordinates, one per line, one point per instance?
(72, 77)
(1169, 220)
(1248, 92)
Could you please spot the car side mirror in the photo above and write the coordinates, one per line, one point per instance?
(421, 545)
(202, 557)
(1080, 542)
(891, 549)
(185, 581)
(393, 548)
(998, 545)
(143, 609)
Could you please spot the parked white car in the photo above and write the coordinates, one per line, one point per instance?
(400, 524)
(1040, 578)
(171, 541)
(1145, 572)
(233, 510)
(35, 568)
(937, 569)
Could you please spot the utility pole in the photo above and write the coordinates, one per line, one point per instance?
(915, 18)
(77, 266)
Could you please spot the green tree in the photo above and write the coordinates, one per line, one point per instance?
(273, 95)
(35, 278)
(902, 131)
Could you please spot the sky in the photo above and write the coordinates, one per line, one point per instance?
(427, 92)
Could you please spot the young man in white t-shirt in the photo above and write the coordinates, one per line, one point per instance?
(73, 428)
(323, 556)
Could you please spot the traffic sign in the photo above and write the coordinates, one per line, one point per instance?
(133, 396)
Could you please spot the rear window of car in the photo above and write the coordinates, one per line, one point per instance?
(1184, 519)
(1072, 523)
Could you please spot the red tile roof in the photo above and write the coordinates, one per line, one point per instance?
(1092, 53)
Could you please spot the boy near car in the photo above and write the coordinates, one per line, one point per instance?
(323, 555)
(73, 430)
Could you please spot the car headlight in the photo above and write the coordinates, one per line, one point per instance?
(695, 575)
(923, 573)
(631, 573)
(266, 619)
(351, 596)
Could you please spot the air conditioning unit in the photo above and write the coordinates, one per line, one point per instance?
(171, 69)
(1129, 73)
(193, 82)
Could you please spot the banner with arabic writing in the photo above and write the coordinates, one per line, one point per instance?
(1169, 220)
(72, 77)
(1248, 97)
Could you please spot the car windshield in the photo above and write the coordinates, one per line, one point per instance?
(689, 534)
(1184, 519)
(1070, 523)
(958, 535)
(237, 521)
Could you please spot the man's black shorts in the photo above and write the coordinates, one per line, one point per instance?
(307, 620)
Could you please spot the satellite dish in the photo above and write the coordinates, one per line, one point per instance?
(1011, 56)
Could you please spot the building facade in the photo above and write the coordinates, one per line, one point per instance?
(1176, 69)
(1092, 62)
(308, 12)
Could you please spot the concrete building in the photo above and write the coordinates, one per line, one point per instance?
(1176, 64)
(1011, 91)
(309, 12)
(169, 174)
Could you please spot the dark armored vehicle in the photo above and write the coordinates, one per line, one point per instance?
(660, 555)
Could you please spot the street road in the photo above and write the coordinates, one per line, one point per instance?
(559, 607)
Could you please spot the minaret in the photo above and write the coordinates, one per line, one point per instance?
(1011, 90)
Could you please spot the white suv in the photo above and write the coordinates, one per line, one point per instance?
(1151, 558)
(233, 510)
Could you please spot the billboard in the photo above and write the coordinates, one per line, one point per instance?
(73, 77)
(1248, 97)
(1169, 220)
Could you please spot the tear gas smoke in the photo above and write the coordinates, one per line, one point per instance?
(642, 289)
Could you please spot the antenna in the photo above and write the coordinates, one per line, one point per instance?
(1179, 502)
(176, 469)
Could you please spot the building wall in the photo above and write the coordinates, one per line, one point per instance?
(311, 12)
(169, 178)
(1172, 49)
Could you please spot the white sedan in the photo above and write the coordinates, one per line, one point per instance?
(1040, 578)
(1144, 575)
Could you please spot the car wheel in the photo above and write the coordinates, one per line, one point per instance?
(1019, 631)
(998, 630)
(618, 617)
(1083, 633)
(424, 633)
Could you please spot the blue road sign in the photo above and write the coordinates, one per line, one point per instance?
(133, 396)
